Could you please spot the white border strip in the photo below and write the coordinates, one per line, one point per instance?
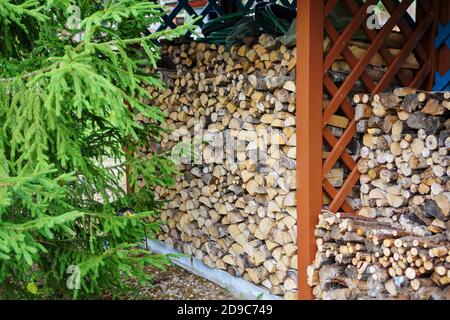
(240, 288)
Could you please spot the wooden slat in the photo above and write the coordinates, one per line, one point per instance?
(405, 27)
(420, 77)
(347, 55)
(345, 105)
(429, 44)
(359, 68)
(412, 41)
(425, 8)
(444, 52)
(332, 140)
(340, 198)
(212, 6)
(393, 70)
(333, 193)
(339, 149)
(384, 50)
(340, 42)
(329, 6)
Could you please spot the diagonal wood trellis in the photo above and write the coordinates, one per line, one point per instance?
(209, 6)
(416, 34)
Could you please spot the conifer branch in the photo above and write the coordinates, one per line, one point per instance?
(62, 113)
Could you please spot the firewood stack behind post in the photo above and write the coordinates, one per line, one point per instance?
(238, 216)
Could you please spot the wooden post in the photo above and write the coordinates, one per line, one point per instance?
(310, 17)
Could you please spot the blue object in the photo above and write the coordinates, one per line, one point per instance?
(443, 36)
(442, 82)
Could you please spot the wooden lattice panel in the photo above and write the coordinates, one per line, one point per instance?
(212, 6)
(416, 34)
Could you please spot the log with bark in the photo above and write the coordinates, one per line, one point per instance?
(397, 246)
(404, 162)
(365, 258)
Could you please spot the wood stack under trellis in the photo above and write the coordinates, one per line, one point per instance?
(365, 258)
(237, 215)
(404, 163)
(398, 246)
(338, 73)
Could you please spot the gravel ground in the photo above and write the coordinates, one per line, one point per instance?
(175, 283)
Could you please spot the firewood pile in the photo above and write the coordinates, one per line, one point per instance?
(405, 162)
(398, 246)
(239, 214)
(234, 206)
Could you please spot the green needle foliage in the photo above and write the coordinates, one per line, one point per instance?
(73, 79)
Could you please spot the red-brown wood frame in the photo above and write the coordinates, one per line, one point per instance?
(193, 4)
(309, 132)
(312, 130)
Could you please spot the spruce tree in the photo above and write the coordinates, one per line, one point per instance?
(73, 79)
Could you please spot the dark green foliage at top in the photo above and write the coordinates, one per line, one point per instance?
(63, 88)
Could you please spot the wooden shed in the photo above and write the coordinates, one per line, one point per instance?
(313, 81)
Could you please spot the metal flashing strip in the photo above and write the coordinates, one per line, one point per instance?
(240, 288)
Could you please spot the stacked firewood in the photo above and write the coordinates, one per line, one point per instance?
(365, 258)
(398, 245)
(404, 163)
(240, 215)
(233, 206)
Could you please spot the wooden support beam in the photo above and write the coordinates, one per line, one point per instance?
(310, 17)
